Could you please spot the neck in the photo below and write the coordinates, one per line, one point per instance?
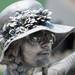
(20, 70)
(31, 71)
(14, 69)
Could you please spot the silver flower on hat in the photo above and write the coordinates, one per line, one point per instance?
(24, 21)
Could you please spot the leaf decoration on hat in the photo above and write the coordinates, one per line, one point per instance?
(24, 21)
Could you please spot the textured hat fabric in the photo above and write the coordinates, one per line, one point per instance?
(27, 22)
(24, 6)
(19, 5)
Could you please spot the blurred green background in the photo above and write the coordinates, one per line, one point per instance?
(1, 70)
(5, 3)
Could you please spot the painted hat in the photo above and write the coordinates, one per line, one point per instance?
(20, 5)
(26, 21)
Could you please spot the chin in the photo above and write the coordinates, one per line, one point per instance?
(40, 63)
(43, 62)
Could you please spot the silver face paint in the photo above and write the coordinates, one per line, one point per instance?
(36, 50)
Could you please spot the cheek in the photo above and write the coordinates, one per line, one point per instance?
(30, 52)
(29, 56)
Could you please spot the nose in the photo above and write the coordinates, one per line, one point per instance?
(44, 45)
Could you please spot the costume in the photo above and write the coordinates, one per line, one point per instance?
(25, 21)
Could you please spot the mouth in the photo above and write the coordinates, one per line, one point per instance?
(43, 53)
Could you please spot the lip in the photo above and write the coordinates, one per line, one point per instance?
(43, 53)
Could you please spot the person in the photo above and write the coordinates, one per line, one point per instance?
(29, 40)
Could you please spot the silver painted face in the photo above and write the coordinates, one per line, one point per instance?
(36, 49)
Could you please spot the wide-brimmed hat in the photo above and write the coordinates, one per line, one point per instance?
(27, 22)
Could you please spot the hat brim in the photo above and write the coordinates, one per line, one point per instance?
(55, 29)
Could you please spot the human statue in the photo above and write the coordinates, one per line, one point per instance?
(33, 45)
